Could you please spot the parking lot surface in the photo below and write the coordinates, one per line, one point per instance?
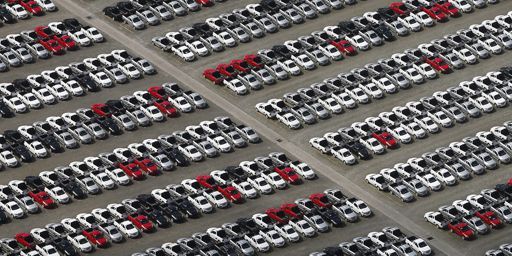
(388, 211)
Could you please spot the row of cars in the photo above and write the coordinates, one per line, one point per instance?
(128, 219)
(417, 119)
(45, 41)
(275, 228)
(109, 170)
(446, 166)
(374, 80)
(241, 26)
(477, 214)
(503, 250)
(73, 80)
(140, 13)
(86, 125)
(13, 10)
(320, 48)
(389, 241)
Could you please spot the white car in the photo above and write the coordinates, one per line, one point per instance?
(258, 242)
(44, 95)
(7, 158)
(18, 11)
(303, 170)
(58, 194)
(359, 42)
(201, 203)
(343, 154)
(377, 180)
(359, 207)
(274, 180)
(216, 198)
(245, 189)
(118, 175)
(47, 5)
(303, 227)
(260, 184)
(100, 78)
(36, 148)
(181, 103)
(152, 112)
(236, 86)
(12, 208)
(93, 34)
(127, 228)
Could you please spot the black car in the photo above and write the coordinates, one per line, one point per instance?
(22, 85)
(248, 225)
(348, 26)
(73, 188)
(158, 218)
(359, 150)
(236, 173)
(148, 201)
(108, 124)
(333, 251)
(330, 216)
(3, 217)
(270, 5)
(203, 29)
(384, 32)
(50, 142)
(86, 82)
(172, 212)
(64, 247)
(73, 25)
(5, 111)
(6, 16)
(225, 248)
(115, 105)
(176, 156)
(387, 14)
(187, 208)
(23, 153)
(34, 182)
(126, 7)
(504, 189)
(14, 137)
(113, 12)
(282, 51)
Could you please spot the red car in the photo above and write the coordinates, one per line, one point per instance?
(489, 218)
(207, 181)
(438, 64)
(344, 46)
(399, 8)
(101, 109)
(146, 165)
(52, 46)
(385, 139)
(32, 7)
(230, 193)
(42, 198)
(226, 70)
(141, 222)
(213, 75)
(241, 65)
(509, 182)
(205, 3)
(447, 8)
(292, 210)
(321, 200)
(277, 215)
(461, 229)
(435, 13)
(66, 42)
(158, 92)
(95, 237)
(254, 60)
(25, 240)
(288, 174)
(166, 108)
(44, 32)
(132, 170)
